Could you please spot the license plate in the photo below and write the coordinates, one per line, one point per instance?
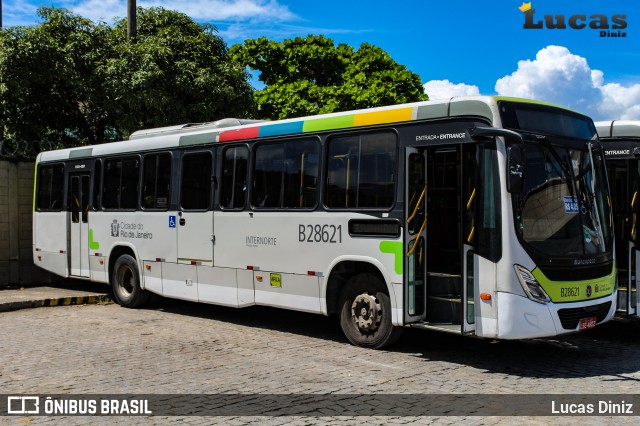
(587, 323)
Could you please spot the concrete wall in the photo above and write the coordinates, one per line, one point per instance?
(16, 206)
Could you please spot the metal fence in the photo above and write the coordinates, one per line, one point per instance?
(17, 150)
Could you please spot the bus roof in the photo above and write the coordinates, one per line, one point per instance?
(228, 130)
(618, 129)
(621, 139)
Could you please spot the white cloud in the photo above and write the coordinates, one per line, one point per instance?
(98, 10)
(439, 89)
(620, 102)
(556, 75)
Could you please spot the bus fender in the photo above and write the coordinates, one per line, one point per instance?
(112, 260)
(324, 308)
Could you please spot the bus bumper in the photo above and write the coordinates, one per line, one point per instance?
(521, 318)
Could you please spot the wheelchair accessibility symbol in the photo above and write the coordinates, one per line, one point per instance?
(172, 221)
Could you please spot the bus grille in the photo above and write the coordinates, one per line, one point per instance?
(570, 317)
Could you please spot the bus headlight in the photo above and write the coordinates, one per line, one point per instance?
(530, 285)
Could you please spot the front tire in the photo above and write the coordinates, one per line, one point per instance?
(126, 283)
(365, 313)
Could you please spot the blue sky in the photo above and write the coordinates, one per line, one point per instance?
(457, 47)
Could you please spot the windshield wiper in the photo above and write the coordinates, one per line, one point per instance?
(565, 164)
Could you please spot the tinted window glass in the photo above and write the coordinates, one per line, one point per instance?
(286, 175)
(50, 187)
(97, 174)
(195, 190)
(120, 189)
(233, 190)
(156, 181)
(546, 120)
(361, 171)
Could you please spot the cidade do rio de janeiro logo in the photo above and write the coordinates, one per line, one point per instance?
(605, 26)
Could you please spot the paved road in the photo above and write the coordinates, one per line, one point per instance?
(184, 348)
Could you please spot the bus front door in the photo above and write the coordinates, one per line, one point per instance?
(78, 213)
(631, 238)
(444, 273)
(479, 225)
(624, 179)
(633, 296)
(415, 262)
(444, 245)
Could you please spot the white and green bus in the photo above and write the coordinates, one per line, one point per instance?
(487, 216)
(621, 143)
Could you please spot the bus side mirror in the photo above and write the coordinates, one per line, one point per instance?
(515, 168)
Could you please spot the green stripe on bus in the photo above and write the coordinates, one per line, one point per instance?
(577, 291)
(340, 122)
(93, 245)
(81, 152)
(395, 248)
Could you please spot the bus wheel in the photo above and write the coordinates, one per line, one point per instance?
(365, 313)
(126, 283)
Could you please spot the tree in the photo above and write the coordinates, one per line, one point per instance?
(308, 76)
(48, 85)
(175, 71)
(72, 82)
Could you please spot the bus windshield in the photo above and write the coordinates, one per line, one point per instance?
(564, 208)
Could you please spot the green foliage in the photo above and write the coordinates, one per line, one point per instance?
(307, 76)
(72, 82)
(47, 84)
(176, 71)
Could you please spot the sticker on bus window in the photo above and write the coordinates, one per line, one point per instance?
(570, 204)
(275, 280)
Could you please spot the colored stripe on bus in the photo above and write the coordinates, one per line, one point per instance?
(281, 129)
(198, 139)
(330, 123)
(381, 117)
(395, 115)
(238, 134)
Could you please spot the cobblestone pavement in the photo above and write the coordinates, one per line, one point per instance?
(185, 348)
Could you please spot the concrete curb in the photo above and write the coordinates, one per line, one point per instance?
(56, 301)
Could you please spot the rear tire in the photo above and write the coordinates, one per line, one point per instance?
(365, 313)
(126, 283)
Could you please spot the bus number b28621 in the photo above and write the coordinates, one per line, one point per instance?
(320, 233)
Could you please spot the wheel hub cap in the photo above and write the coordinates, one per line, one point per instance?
(366, 312)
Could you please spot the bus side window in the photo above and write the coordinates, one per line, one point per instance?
(335, 183)
(50, 187)
(233, 190)
(156, 178)
(361, 171)
(195, 187)
(96, 185)
(267, 175)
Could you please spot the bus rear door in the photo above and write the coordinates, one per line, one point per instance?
(194, 227)
(78, 206)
